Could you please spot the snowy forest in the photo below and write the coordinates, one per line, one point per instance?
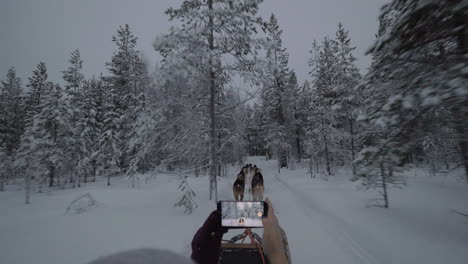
(186, 116)
(360, 165)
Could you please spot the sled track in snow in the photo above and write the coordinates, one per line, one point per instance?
(332, 225)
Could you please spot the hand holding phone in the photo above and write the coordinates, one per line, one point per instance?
(240, 214)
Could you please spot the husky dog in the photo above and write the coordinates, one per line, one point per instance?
(257, 186)
(238, 190)
(245, 170)
(239, 186)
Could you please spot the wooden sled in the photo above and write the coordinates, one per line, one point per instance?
(235, 253)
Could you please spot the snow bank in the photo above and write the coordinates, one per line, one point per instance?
(326, 221)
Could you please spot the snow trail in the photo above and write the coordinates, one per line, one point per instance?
(332, 225)
(313, 233)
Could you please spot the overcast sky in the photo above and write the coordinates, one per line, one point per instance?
(48, 30)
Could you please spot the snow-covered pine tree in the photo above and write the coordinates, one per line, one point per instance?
(26, 161)
(257, 131)
(275, 94)
(221, 32)
(253, 129)
(187, 197)
(333, 102)
(377, 155)
(182, 131)
(6, 164)
(420, 56)
(74, 98)
(125, 67)
(250, 129)
(51, 133)
(143, 141)
(323, 135)
(91, 125)
(349, 99)
(298, 118)
(42, 151)
(12, 117)
(110, 151)
(127, 72)
(73, 77)
(380, 172)
(230, 128)
(36, 86)
(11, 112)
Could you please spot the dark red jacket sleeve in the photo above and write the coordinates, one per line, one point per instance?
(206, 243)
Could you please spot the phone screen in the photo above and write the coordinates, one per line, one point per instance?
(242, 214)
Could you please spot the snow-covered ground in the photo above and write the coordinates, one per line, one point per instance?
(326, 221)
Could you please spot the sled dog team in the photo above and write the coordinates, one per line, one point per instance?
(256, 187)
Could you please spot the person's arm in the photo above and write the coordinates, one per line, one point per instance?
(273, 238)
(207, 241)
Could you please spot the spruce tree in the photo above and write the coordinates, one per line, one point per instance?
(74, 100)
(73, 76)
(5, 166)
(36, 86)
(110, 150)
(275, 94)
(221, 33)
(27, 161)
(349, 102)
(11, 112)
(90, 128)
(127, 74)
(324, 99)
(420, 59)
(43, 144)
(52, 133)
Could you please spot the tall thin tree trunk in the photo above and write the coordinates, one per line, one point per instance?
(463, 143)
(462, 113)
(255, 144)
(384, 184)
(317, 168)
(27, 188)
(94, 170)
(311, 167)
(108, 179)
(51, 176)
(352, 145)
(213, 183)
(327, 158)
(298, 145)
(2, 183)
(461, 129)
(71, 177)
(78, 181)
(59, 183)
(279, 160)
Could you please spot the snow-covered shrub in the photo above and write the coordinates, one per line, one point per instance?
(187, 198)
(81, 204)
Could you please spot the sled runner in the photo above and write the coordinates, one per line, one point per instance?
(235, 253)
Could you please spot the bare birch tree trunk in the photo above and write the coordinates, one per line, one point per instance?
(27, 188)
(213, 183)
(384, 185)
(327, 158)
(352, 145)
(311, 167)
